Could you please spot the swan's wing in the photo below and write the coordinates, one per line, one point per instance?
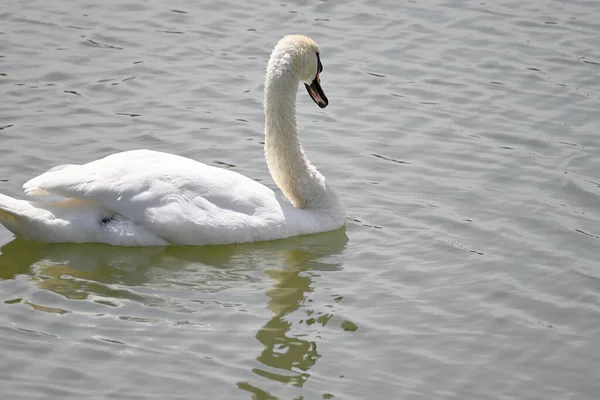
(178, 198)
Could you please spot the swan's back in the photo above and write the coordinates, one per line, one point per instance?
(179, 199)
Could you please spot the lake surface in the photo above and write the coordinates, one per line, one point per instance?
(463, 136)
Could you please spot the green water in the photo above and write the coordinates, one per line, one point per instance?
(462, 137)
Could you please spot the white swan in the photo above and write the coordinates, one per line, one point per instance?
(144, 197)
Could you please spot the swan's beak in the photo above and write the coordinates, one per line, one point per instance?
(316, 92)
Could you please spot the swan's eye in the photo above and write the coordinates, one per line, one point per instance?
(319, 65)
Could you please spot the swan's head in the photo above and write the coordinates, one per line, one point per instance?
(300, 54)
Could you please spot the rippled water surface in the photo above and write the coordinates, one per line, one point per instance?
(463, 136)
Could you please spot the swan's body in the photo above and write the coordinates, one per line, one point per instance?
(143, 197)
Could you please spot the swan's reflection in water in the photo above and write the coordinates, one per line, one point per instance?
(284, 351)
(107, 275)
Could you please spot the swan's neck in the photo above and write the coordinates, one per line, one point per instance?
(297, 178)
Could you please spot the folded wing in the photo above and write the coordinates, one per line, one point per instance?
(179, 199)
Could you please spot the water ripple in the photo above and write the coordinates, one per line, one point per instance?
(462, 137)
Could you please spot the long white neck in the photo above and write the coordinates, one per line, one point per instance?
(297, 178)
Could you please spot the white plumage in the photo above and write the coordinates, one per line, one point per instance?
(144, 197)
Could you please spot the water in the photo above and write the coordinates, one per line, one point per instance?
(461, 134)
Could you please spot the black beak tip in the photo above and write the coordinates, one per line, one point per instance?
(322, 105)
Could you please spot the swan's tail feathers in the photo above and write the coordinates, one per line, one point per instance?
(19, 216)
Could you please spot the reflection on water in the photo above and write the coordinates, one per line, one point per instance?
(285, 352)
(170, 279)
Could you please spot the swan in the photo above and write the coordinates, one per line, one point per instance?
(151, 198)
